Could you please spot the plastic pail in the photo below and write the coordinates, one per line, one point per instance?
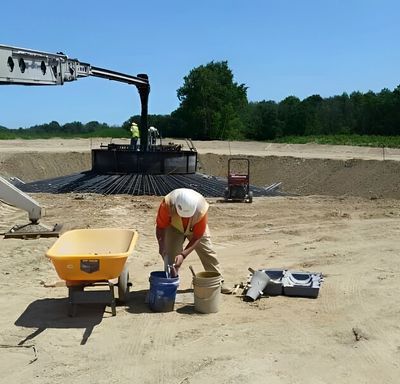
(162, 291)
(207, 291)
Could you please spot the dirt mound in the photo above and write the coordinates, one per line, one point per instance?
(30, 166)
(354, 177)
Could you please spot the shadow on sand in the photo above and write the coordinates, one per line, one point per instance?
(53, 313)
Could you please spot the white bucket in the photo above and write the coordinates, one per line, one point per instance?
(207, 291)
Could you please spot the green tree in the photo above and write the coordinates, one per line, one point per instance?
(310, 107)
(73, 127)
(211, 103)
(292, 116)
(335, 115)
(262, 121)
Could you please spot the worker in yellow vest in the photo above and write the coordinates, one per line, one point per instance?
(135, 135)
(183, 214)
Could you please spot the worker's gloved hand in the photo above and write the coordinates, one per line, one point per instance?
(174, 272)
(177, 264)
(178, 260)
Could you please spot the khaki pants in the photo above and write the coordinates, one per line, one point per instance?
(174, 245)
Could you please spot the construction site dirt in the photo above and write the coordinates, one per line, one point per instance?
(340, 217)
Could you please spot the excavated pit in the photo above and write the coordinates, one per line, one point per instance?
(119, 170)
(299, 176)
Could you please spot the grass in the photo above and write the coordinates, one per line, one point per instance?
(356, 140)
(29, 135)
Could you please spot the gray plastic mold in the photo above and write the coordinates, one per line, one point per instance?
(301, 284)
(275, 285)
(285, 282)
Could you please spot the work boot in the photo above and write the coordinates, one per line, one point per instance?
(226, 290)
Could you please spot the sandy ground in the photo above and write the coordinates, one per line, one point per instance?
(220, 147)
(349, 334)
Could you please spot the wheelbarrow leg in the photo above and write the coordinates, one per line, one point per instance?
(71, 303)
(112, 304)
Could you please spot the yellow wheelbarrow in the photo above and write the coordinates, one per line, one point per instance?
(91, 258)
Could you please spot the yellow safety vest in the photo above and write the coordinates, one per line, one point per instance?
(135, 131)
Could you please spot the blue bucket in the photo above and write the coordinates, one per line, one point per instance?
(162, 291)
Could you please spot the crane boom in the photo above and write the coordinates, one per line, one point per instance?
(21, 66)
(28, 67)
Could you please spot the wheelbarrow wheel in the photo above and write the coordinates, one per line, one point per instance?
(250, 197)
(123, 285)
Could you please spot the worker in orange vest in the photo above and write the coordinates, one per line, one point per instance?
(183, 214)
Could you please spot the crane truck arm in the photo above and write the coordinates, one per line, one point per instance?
(21, 66)
(28, 67)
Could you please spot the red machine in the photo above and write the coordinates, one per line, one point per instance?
(238, 188)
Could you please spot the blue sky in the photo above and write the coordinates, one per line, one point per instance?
(276, 48)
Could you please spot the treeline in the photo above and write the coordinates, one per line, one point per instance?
(355, 114)
(68, 130)
(214, 107)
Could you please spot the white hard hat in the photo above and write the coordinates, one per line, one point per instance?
(186, 202)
